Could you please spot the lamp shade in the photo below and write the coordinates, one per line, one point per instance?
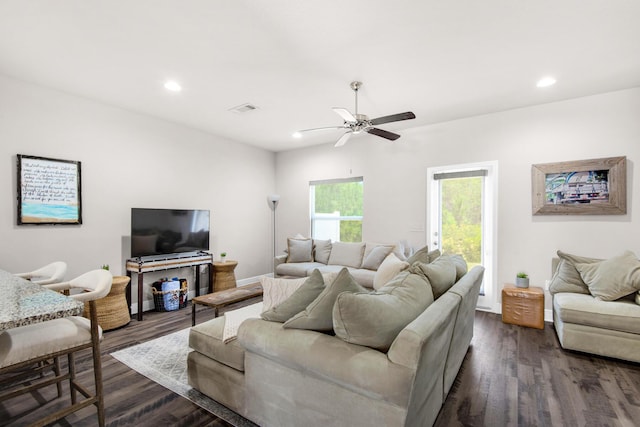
(273, 200)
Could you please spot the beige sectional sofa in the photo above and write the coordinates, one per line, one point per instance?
(278, 376)
(361, 259)
(596, 306)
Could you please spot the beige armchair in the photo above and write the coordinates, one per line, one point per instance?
(50, 273)
(29, 345)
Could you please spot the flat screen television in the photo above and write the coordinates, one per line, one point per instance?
(168, 231)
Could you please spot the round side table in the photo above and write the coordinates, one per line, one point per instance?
(112, 310)
(223, 275)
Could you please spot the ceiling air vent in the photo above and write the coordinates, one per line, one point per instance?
(244, 108)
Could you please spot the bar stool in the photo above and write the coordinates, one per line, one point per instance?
(39, 342)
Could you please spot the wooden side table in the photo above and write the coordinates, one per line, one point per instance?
(223, 275)
(523, 306)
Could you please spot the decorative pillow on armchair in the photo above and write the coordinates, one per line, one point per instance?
(613, 278)
(566, 278)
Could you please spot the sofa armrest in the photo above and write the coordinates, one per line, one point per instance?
(280, 259)
(361, 369)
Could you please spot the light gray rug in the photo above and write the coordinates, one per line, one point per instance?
(164, 360)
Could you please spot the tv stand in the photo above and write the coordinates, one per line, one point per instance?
(149, 264)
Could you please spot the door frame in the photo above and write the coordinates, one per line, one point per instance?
(488, 301)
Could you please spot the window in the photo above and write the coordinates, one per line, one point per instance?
(336, 209)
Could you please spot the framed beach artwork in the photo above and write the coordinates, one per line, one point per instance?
(583, 187)
(49, 191)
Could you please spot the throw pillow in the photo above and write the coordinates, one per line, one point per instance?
(346, 254)
(441, 274)
(638, 297)
(389, 269)
(275, 291)
(613, 278)
(374, 258)
(461, 265)
(375, 319)
(423, 255)
(566, 278)
(298, 301)
(318, 315)
(300, 250)
(322, 250)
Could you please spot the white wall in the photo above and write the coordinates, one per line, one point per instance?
(128, 160)
(394, 174)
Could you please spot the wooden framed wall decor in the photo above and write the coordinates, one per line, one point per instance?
(583, 187)
(49, 191)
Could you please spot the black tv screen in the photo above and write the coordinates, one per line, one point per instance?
(168, 231)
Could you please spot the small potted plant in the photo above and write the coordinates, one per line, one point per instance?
(522, 280)
(105, 267)
(223, 256)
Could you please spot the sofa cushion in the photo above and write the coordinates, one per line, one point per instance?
(441, 274)
(622, 315)
(297, 269)
(276, 290)
(566, 278)
(373, 258)
(318, 315)
(363, 276)
(423, 255)
(321, 250)
(637, 298)
(612, 278)
(298, 300)
(206, 338)
(375, 319)
(389, 269)
(346, 254)
(300, 250)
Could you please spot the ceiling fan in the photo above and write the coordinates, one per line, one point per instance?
(356, 123)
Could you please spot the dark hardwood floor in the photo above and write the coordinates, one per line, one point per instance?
(511, 376)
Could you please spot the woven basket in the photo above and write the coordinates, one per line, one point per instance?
(112, 310)
(182, 294)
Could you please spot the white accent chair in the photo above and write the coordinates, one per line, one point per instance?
(50, 273)
(29, 345)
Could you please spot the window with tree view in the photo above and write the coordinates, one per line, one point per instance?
(336, 209)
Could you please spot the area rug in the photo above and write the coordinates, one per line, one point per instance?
(164, 361)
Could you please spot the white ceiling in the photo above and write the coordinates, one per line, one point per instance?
(294, 59)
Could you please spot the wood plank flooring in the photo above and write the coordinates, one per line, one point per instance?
(511, 376)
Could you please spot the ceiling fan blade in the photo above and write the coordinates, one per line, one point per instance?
(343, 139)
(345, 114)
(383, 133)
(393, 118)
(322, 128)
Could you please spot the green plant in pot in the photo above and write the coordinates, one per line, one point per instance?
(223, 256)
(522, 280)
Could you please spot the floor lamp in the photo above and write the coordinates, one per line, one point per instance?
(273, 200)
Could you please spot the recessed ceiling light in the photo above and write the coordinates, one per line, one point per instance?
(546, 82)
(297, 135)
(172, 86)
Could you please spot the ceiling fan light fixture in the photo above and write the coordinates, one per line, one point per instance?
(546, 82)
(172, 86)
